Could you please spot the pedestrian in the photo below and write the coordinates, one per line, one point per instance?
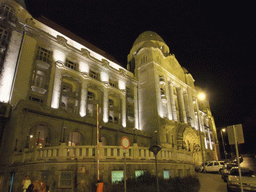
(25, 183)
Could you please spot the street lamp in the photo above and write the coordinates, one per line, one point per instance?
(155, 149)
(225, 152)
(200, 96)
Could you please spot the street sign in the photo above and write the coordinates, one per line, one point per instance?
(125, 142)
(239, 134)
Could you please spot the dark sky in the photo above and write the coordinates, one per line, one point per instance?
(213, 40)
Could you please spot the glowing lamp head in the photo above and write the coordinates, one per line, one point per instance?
(201, 96)
(223, 130)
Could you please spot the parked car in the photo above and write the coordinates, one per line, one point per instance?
(225, 170)
(248, 180)
(200, 167)
(213, 166)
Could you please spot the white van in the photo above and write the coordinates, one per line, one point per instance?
(213, 166)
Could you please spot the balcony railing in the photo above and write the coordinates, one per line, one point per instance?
(89, 153)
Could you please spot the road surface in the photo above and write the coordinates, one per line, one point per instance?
(211, 182)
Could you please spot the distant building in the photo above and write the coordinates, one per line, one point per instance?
(51, 83)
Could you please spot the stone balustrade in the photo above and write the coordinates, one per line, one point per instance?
(89, 153)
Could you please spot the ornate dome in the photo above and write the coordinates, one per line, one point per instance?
(147, 36)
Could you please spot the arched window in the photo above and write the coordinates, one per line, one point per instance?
(38, 136)
(75, 139)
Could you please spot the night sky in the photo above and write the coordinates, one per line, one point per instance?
(213, 41)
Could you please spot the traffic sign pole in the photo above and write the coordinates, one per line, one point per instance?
(125, 142)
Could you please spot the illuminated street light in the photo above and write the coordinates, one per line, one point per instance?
(221, 132)
(201, 97)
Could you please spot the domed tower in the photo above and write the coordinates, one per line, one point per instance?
(164, 88)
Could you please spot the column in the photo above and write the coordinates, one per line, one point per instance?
(123, 109)
(136, 108)
(83, 102)
(56, 88)
(105, 105)
(183, 117)
(169, 106)
(187, 108)
(172, 102)
(191, 112)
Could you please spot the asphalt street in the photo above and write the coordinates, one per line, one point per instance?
(211, 182)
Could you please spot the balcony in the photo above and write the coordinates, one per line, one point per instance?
(89, 153)
(42, 64)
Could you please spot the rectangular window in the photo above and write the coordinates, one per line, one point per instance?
(94, 75)
(65, 180)
(71, 65)
(117, 176)
(138, 173)
(113, 83)
(166, 174)
(43, 55)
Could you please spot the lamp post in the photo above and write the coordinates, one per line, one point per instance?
(201, 96)
(225, 152)
(155, 149)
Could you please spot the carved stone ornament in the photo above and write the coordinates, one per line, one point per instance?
(30, 21)
(61, 40)
(122, 71)
(85, 52)
(60, 64)
(105, 63)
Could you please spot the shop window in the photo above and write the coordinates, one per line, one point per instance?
(75, 139)
(65, 180)
(117, 176)
(139, 173)
(166, 174)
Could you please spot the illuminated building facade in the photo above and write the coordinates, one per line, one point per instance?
(51, 84)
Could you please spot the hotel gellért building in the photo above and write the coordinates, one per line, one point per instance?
(53, 88)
